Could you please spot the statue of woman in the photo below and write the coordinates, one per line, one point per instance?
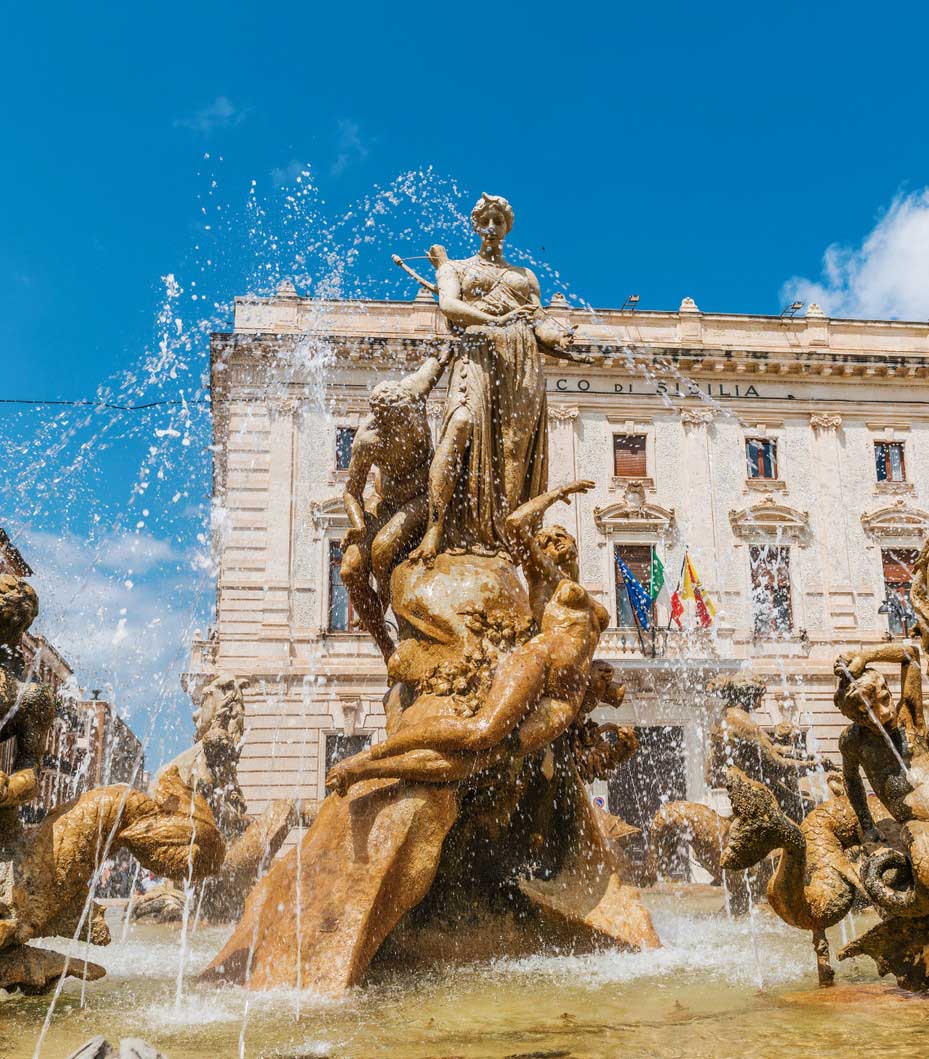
(492, 454)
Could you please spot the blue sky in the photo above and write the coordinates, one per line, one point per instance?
(717, 151)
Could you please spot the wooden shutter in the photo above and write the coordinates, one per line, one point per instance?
(629, 455)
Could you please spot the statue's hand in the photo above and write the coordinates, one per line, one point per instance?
(584, 485)
(524, 312)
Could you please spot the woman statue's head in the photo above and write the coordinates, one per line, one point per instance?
(865, 696)
(492, 218)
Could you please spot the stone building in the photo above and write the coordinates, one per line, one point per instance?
(788, 455)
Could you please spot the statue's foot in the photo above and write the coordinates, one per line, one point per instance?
(429, 547)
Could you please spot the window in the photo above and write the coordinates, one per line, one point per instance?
(888, 460)
(638, 557)
(898, 576)
(761, 458)
(341, 613)
(629, 456)
(339, 747)
(344, 436)
(771, 612)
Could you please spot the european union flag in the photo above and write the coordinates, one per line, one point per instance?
(639, 599)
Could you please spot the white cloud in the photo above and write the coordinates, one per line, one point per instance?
(351, 147)
(222, 113)
(886, 277)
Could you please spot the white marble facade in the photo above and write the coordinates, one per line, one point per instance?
(694, 385)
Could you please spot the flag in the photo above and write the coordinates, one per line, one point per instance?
(639, 599)
(691, 589)
(658, 588)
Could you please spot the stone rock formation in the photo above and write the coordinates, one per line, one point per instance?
(472, 819)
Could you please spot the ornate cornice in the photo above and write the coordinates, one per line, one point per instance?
(697, 417)
(561, 414)
(897, 520)
(768, 521)
(632, 514)
(328, 514)
(825, 421)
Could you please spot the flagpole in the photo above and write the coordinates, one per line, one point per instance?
(680, 578)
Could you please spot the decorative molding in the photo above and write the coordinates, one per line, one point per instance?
(633, 489)
(697, 417)
(894, 488)
(633, 514)
(762, 485)
(899, 519)
(768, 521)
(327, 515)
(825, 421)
(561, 413)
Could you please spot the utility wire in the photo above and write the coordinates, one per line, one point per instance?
(106, 404)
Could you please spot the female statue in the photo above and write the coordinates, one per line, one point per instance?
(492, 454)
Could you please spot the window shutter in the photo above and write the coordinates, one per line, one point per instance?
(629, 455)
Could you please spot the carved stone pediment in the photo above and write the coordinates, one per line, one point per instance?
(634, 514)
(328, 514)
(896, 520)
(769, 521)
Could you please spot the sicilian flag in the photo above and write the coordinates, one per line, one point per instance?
(639, 599)
(691, 589)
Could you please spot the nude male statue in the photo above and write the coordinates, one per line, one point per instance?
(395, 440)
(886, 739)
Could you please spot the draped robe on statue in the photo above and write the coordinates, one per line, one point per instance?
(499, 377)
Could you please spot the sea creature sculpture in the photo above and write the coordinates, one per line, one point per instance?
(815, 884)
(46, 876)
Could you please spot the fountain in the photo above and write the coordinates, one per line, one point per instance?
(463, 857)
(472, 818)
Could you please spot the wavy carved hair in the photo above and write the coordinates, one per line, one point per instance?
(483, 206)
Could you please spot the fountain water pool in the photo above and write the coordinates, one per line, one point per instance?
(696, 997)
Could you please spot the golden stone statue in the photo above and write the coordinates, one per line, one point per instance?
(472, 819)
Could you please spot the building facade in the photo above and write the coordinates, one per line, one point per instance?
(788, 456)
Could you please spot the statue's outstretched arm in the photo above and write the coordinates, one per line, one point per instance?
(421, 382)
(523, 524)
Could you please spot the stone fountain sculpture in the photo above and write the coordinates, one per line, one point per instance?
(779, 761)
(46, 871)
(470, 827)
(856, 848)
(210, 767)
